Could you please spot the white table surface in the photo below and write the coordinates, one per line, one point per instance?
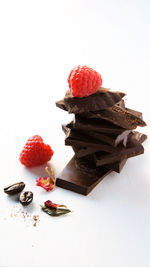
(40, 41)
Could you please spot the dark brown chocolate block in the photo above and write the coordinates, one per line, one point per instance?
(74, 179)
(121, 103)
(60, 104)
(102, 99)
(119, 116)
(97, 125)
(77, 139)
(82, 152)
(132, 149)
(111, 139)
(116, 166)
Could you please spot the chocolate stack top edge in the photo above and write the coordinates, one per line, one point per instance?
(102, 99)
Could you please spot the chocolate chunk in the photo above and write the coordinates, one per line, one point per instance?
(102, 99)
(61, 104)
(117, 166)
(120, 116)
(87, 163)
(111, 139)
(97, 125)
(84, 151)
(140, 137)
(77, 139)
(82, 182)
(121, 103)
(135, 112)
(133, 148)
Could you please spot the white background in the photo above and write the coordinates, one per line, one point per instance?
(40, 42)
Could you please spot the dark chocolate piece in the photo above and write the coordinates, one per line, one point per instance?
(116, 166)
(60, 104)
(84, 151)
(120, 116)
(82, 182)
(102, 99)
(135, 112)
(97, 125)
(88, 163)
(121, 103)
(77, 139)
(111, 139)
(132, 149)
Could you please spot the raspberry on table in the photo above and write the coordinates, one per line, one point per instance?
(35, 152)
(84, 81)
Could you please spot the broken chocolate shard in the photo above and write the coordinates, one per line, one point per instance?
(121, 103)
(81, 152)
(77, 139)
(119, 116)
(140, 137)
(135, 112)
(97, 125)
(132, 149)
(102, 99)
(117, 166)
(72, 178)
(111, 161)
(111, 139)
(60, 104)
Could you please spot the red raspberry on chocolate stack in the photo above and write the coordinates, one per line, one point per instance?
(102, 133)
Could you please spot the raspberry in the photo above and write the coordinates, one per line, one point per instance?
(35, 152)
(50, 204)
(84, 81)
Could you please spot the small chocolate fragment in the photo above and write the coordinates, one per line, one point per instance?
(102, 99)
(26, 197)
(72, 178)
(14, 188)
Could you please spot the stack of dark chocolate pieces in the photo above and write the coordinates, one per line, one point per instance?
(102, 136)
